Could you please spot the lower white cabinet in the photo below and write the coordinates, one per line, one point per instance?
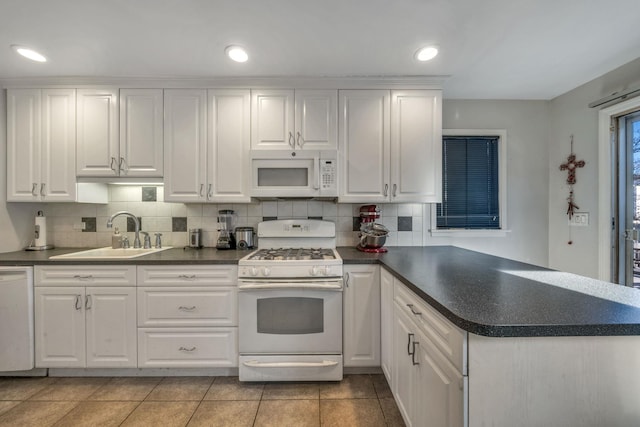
(428, 386)
(386, 323)
(92, 327)
(187, 316)
(361, 315)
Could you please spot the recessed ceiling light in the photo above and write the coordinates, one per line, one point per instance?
(426, 53)
(237, 53)
(29, 53)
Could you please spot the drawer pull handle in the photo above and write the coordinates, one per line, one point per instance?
(416, 313)
(413, 355)
(78, 304)
(88, 302)
(188, 350)
(187, 277)
(183, 308)
(80, 277)
(409, 345)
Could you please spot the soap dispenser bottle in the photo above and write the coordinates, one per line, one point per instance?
(116, 239)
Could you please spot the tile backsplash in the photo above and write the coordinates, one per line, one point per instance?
(85, 225)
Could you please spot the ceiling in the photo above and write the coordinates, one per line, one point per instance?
(489, 49)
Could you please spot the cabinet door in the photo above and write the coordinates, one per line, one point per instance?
(439, 388)
(111, 327)
(403, 376)
(24, 126)
(361, 316)
(272, 120)
(364, 145)
(316, 119)
(185, 133)
(58, 150)
(141, 127)
(228, 148)
(386, 323)
(59, 327)
(97, 152)
(416, 146)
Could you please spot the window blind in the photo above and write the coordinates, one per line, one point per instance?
(470, 183)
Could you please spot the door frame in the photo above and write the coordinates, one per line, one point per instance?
(606, 180)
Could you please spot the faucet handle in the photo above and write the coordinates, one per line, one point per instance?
(158, 240)
(125, 242)
(147, 240)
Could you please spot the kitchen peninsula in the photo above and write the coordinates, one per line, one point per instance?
(538, 347)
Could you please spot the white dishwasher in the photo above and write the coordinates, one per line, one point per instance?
(16, 319)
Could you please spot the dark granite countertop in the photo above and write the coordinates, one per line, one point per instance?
(479, 293)
(493, 296)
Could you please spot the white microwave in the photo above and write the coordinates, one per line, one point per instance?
(305, 173)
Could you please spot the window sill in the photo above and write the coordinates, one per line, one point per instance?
(469, 233)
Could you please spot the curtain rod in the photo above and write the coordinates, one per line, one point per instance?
(616, 98)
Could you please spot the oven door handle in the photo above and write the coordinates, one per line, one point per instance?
(335, 285)
(256, 364)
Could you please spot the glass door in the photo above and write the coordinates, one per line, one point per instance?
(628, 200)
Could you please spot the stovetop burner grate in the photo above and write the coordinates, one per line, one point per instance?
(287, 254)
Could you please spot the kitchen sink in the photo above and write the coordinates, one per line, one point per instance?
(110, 253)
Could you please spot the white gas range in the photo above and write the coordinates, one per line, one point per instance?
(290, 304)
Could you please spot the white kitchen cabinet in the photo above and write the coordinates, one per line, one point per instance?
(201, 167)
(429, 375)
(120, 133)
(286, 119)
(97, 150)
(141, 133)
(80, 326)
(386, 323)
(41, 139)
(390, 146)
(187, 317)
(361, 315)
(92, 327)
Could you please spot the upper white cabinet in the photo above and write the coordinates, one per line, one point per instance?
(390, 146)
(41, 139)
(120, 134)
(97, 150)
(141, 133)
(203, 166)
(285, 119)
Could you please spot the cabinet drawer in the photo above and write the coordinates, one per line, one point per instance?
(187, 347)
(188, 306)
(85, 275)
(187, 275)
(447, 337)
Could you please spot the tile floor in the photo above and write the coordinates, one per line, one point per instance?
(358, 400)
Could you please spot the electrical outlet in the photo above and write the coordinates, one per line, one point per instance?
(79, 225)
(579, 219)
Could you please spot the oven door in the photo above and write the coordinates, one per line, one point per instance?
(290, 318)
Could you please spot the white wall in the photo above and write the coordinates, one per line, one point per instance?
(570, 115)
(16, 219)
(526, 123)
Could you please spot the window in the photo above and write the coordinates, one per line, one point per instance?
(473, 184)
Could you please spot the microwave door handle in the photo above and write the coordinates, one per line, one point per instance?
(316, 162)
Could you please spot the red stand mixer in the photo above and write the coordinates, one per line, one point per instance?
(372, 235)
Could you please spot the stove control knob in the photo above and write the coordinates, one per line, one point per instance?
(266, 271)
(253, 271)
(326, 270)
(314, 271)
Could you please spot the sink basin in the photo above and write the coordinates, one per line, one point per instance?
(110, 253)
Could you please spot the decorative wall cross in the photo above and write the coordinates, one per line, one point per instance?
(571, 166)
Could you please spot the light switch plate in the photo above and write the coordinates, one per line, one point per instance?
(579, 219)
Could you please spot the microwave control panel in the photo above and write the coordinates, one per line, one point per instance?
(328, 175)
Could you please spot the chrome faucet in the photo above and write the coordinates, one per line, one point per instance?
(136, 241)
